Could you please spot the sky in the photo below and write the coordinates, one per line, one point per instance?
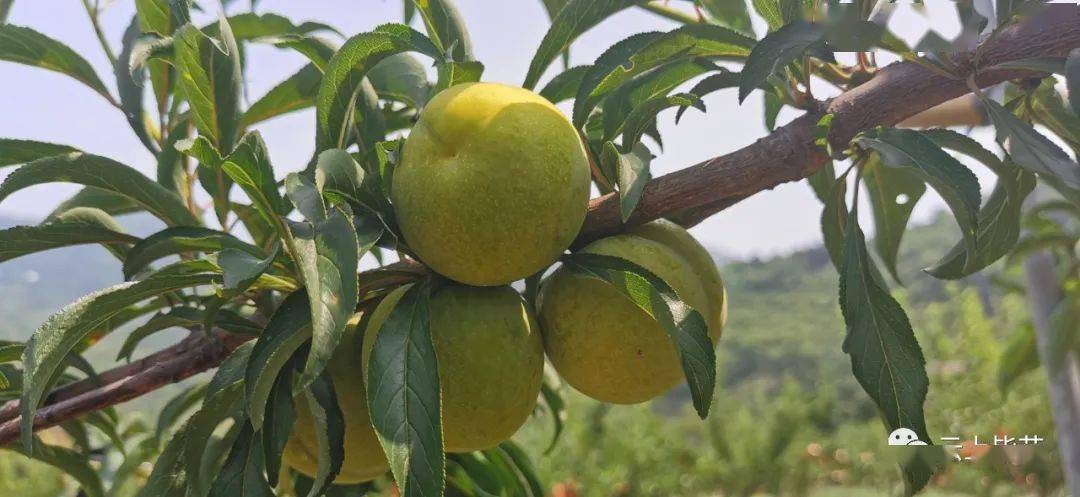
(42, 105)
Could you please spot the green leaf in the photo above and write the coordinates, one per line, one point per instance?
(295, 93)
(182, 240)
(715, 82)
(955, 183)
(644, 116)
(98, 199)
(405, 406)
(162, 16)
(15, 152)
(642, 52)
(730, 13)
(201, 149)
(325, 412)
(260, 27)
(564, 86)
(26, 46)
(770, 11)
(249, 166)
(106, 174)
(184, 317)
(1030, 149)
(455, 73)
(523, 467)
(999, 227)
(25, 240)
(5, 9)
(1049, 109)
(556, 406)
(345, 72)
(834, 214)
(401, 78)
(1020, 356)
(72, 463)
(224, 400)
(653, 295)
(575, 18)
(1072, 79)
(287, 330)
(240, 269)
(306, 196)
(647, 90)
(242, 474)
(893, 193)
(775, 51)
(446, 28)
(632, 171)
(885, 356)
(129, 85)
(276, 428)
(210, 77)
(327, 254)
(176, 407)
(169, 476)
(65, 329)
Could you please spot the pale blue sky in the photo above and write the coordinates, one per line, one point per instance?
(46, 106)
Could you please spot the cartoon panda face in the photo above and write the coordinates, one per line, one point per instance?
(904, 436)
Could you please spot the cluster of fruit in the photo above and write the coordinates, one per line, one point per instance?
(493, 187)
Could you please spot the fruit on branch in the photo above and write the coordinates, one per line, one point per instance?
(364, 457)
(493, 184)
(606, 347)
(490, 357)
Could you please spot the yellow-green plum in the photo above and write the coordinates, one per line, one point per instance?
(600, 342)
(493, 184)
(364, 457)
(490, 357)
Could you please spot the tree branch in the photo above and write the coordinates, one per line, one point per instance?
(688, 196)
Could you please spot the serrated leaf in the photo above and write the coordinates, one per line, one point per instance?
(885, 356)
(171, 172)
(276, 428)
(565, 85)
(129, 85)
(645, 90)
(242, 474)
(162, 16)
(65, 329)
(259, 27)
(999, 227)
(775, 51)
(1072, 79)
(325, 412)
(24, 240)
(834, 217)
(523, 467)
(730, 13)
(893, 193)
(287, 330)
(72, 463)
(643, 116)
(169, 476)
(632, 172)
(185, 317)
(575, 18)
(642, 52)
(249, 166)
(306, 197)
(240, 269)
(105, 174)
(96, 198)
(14, 152)
(653, 295)
(327, 255)
(201, 149)
(26, 46)
(404, 397)
(1021, 355)
(210, 77)
(401, 78)
(453, 73)
(446, 28)
(173, 410)
(714, 82)
(181, 240)
(344, 77)
(295, 93)
(955, 183)
(1030, 149)
(224, 400)
(1050, 109)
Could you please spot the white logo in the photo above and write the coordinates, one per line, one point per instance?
(904, 436)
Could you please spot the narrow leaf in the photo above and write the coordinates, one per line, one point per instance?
(26, 46)
(1072, 79)
(182, 240)
(325, 412)
(286, 331)
(105, 174)
(893, 193)
(632, 172)
(25, 240)
(129, 85)
(210, 77)
(446, 28)
(249, 166)
(575, 18)
(565, 85)
(69, 461)
(775, 51)
(1030, 149)
(15, 152)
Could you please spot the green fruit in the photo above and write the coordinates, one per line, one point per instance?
(364, 457)
(490, 357)
(493, 184)
(600, 342)
(677, 238)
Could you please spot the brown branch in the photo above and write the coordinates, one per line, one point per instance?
(687, 196)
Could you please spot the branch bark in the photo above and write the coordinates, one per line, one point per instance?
(688, 196)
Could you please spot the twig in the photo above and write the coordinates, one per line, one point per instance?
(687, 196)
(92, 12)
